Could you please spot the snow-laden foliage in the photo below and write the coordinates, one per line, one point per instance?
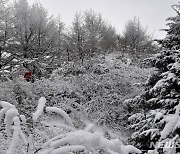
(95, 90)
(156, 118)
(156, 111)
(6, 92)
(62, 113)
(85, 141)
(103, 88)
(12, 121)
(93, 94)
(60, 137)
(172, 39)
(40, 108)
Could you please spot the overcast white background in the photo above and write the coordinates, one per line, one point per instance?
(152, 13)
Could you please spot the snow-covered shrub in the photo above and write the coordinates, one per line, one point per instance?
(100, 69)
(156, 111)
(6, 92)
(16, 125)
(68, 68)
(85, 141)
(96, 96)
(81, 97)
(106, 92)
(12, 122)
(67, 139)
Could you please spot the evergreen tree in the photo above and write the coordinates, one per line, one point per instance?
(172, 40)
(155, 113)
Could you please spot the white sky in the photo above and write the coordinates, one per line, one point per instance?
(152, 13)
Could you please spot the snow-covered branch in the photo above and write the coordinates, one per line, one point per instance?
(62, 113)
(40, 108)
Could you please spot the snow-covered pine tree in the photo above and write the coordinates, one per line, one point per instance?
(155, 118)
(172, 40)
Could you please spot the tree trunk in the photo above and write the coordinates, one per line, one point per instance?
(0, 56)
(68, 55)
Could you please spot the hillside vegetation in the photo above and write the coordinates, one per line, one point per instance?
(88, 95)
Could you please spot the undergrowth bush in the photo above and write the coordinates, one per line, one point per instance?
(92, 95)
(54, 136)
